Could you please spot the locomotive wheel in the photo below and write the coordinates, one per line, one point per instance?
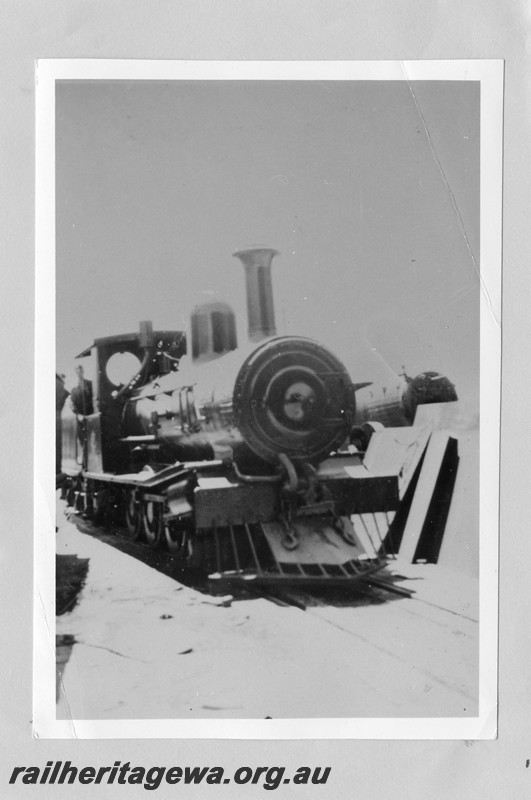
(177, 536)
(152, 523)
(71, 492)
(98, 504)
(86, 500)
(133, 516)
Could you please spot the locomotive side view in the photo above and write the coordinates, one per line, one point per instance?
(263, 462)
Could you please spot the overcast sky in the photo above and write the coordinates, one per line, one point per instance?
(369, 190)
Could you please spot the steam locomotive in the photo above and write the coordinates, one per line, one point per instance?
(263, 462)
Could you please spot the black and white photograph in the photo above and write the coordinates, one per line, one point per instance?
(271, 318)
(275, 536)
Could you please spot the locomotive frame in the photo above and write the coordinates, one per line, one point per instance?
(278, 474)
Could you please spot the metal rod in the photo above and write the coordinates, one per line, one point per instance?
(249, 536)
(255, 478)
(367, 532)
(390, 535)
(391, 587)
(218, 549)
(181, 409)
(378, 533)
(235, 549)
(279, 568)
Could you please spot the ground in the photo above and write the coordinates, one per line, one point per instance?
(145, 646)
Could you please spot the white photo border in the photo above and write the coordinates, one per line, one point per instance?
(490, 74)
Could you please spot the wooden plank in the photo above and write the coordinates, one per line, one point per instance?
(394, 451)
(439, 415)
(424, 492)
(412, 461)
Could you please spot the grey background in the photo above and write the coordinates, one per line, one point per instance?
(369, 189)
(322, 30)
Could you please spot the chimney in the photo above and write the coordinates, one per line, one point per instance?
(260, 310)
(145, 337)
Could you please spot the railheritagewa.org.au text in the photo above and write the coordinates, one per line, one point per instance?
(60, 772)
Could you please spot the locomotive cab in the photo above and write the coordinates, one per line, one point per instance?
(119, 364)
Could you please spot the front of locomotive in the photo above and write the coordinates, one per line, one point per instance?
(282, 511)
(238, 458)
(273, 396)
(292, 397)
(231, 453)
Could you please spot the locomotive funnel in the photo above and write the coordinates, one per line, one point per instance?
(260, 309)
